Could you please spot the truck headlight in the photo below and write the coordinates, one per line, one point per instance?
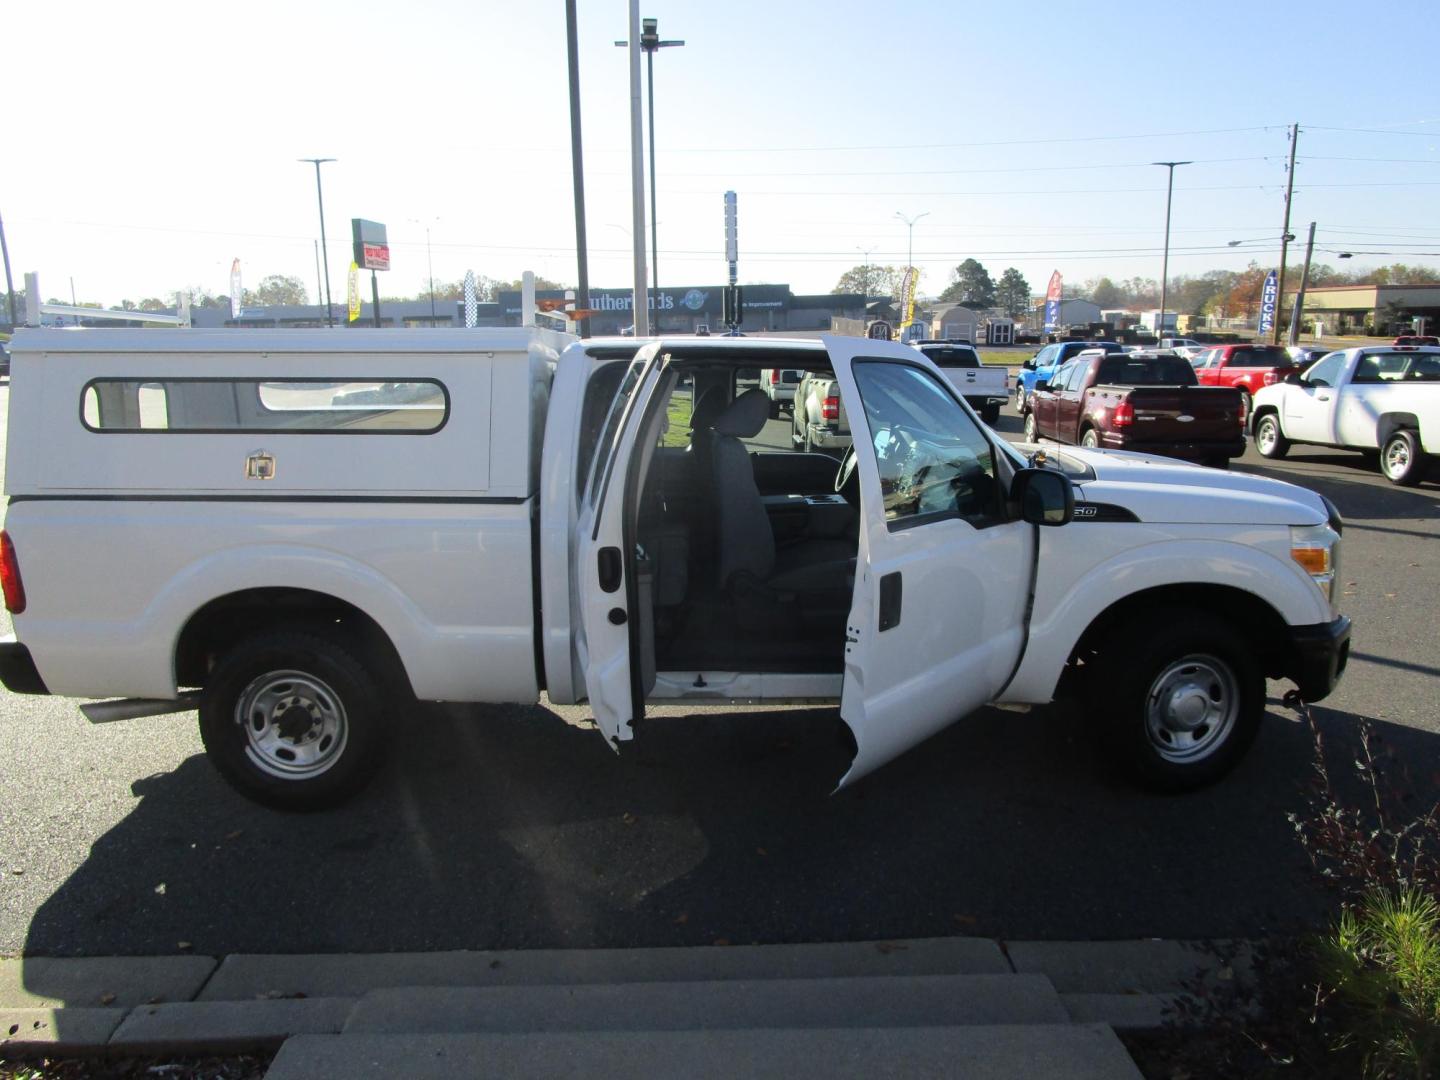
(1317, 549)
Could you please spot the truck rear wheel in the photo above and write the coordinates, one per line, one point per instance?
(990, 412)
(292, 720)
(1401, 459)
(1269, 439)
(1180, 697)
(1091, 439)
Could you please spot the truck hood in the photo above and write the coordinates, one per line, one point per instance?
(1158, 489)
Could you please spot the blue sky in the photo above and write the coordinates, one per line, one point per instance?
(157, 141)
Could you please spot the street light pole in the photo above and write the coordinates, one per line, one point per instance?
(1165, 263)
(910, 246)
(650, 44)
(865, 280)
(325, 255)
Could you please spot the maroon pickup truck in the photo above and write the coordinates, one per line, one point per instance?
(1147, 402)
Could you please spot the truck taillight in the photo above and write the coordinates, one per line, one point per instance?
(10, 576)
(774, 376)
(1269, 379)
(1124, 415)
(830, 409)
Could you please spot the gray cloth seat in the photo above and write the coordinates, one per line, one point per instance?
(745, 541)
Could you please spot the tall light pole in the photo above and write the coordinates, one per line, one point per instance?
(1165, 264)
(910, 246)
(429, 265)
(325, 255)
(650, 43)
(866, 286)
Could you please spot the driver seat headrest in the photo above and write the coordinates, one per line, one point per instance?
(745, 416)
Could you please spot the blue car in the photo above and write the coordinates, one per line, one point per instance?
(1043, 364)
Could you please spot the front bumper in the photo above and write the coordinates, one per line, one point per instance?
(1317, 657)
(17, 668)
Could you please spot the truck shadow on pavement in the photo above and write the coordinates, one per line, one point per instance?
(507, 829)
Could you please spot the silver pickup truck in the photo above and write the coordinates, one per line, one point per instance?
(818, 420)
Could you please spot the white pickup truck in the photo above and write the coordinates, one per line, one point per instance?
(303, 532)
(1379, 397)
(986, 389)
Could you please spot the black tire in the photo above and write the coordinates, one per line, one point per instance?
(1090, 439)
(1032, 432)
(288, 680)
(1270, 441)
(1247, 403)
(1020, 398)
(774, 410)
(1401, 459)
(1217, 463)
(990, 413)
(1179, 696)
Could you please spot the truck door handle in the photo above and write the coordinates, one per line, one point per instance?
(891, 592)
(610, 566)
(1322, 397)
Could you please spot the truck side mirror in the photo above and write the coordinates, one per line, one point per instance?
(1029, 365)
(1042, 384)
(1293, 379)
(1046, 497)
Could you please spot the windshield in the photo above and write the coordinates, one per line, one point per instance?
(1160, 371)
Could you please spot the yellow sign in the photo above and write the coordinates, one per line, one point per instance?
(353, 287)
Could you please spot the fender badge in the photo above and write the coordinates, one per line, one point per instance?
(1184, 419)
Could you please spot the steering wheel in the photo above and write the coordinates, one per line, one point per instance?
(847, 469)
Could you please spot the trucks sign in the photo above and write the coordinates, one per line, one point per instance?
(372, 250)
(1269, 294)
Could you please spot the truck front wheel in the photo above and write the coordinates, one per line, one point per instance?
(292, 720)
(1269, 439)
(1180, 697)
(1401, 459)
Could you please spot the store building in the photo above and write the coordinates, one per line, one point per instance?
(1370, 309)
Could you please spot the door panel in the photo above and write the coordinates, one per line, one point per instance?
(942, 577)
(604, 570)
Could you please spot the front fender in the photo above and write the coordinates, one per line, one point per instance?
(1068, 598)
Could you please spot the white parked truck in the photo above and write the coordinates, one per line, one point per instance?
(302, 532)
(1379, 397)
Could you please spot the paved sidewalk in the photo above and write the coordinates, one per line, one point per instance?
(966, 992)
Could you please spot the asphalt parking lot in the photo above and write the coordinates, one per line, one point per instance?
(510, 828)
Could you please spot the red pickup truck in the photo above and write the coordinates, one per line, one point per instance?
(1248, 367)
(1149, 402)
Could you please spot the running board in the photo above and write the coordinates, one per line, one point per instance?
(107, 712)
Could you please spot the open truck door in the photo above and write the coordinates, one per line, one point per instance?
(942, 577)
(612, 644)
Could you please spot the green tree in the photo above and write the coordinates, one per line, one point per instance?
(274, 290)
(1104, 292)
(1013, 293)
(871, 280)
(970, 286)
(493, 289)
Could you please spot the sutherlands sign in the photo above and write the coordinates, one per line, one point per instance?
(372, 250)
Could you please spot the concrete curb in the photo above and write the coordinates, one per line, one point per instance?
(193, 1003)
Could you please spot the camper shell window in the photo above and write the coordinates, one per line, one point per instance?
(215, 406)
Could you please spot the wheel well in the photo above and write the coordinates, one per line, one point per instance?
(1263, 411)
(215, 628)
(1251, 617)
(1389, 423)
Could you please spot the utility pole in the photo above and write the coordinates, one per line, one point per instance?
(1165, 262)
(9, 282)
(325, 255)
(1285, 231)
(577, 166)
(1304, 284)
(641, 302)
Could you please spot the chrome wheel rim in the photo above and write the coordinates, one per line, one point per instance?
(1089, 440)
(1030, 427)
(1191, 708)
(295, 725)
(1265, 435)
(1397, 457)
